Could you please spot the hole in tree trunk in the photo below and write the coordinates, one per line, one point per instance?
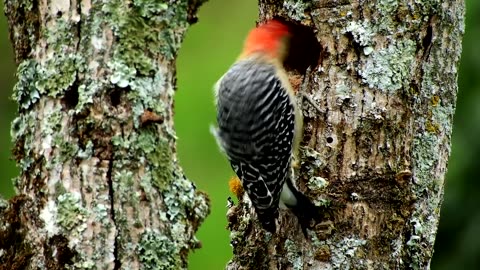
(70, 99)
(115, 97)
(304, 48)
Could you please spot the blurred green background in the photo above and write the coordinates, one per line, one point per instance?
(209, 48)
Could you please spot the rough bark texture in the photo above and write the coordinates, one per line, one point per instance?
(376, 154)
(100, 186)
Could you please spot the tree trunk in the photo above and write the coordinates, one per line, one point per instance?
(100, 186)
(376, 154)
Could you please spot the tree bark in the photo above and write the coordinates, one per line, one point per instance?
(376, 154)
(100, 186)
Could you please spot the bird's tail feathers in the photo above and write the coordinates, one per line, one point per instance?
(267, 218)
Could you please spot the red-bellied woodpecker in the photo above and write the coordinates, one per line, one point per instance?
(260, 126)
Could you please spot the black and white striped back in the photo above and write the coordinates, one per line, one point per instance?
(256, 124)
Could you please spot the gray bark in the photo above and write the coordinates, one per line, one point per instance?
(377, 153)
(100, 186)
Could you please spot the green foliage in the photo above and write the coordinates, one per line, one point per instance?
(209, 48)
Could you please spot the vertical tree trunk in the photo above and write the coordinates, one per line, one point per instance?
(100, 186)
(386, 82)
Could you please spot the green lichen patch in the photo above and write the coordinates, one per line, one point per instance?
(293, 257)
(177, 198)
(142, 32)
(44, 78)
(70, 211)
(310, 166)
(425, 7)
(161, 160)
(416, 245)
(317, 183)
(344, 251)
(84, 264)
(146, 32)
(22, 130)
(296, 9)
(182, 201)
(387, 6)
(85, 96)
(145, 94)
(200, 208)
(389, 69)
(24, 92)
(121, 74)
(86, 152)
(146, 144)
(157, 251)
(123, 181)
(425, 156)
(51, 120)
(362, 32)
(52, 82)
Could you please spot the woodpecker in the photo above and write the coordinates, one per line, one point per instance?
(260, 126)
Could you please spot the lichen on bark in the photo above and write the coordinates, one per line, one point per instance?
(376, 153)
(101, 184)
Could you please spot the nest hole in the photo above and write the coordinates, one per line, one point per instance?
(70, 98)
(304, 48)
